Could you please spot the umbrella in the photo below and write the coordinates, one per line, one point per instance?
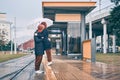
(34, 23)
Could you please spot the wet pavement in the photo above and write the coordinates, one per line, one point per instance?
(10, 68)
(69, 69)
(63, 68)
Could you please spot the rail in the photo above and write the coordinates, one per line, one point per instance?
(15, 73)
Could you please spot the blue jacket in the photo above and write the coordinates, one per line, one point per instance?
(46, 42)
(38, 40)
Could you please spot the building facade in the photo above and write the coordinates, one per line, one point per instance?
(5, 33)
(28, 45)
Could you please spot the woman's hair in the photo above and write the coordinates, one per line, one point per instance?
(40, 27)
(44, 23)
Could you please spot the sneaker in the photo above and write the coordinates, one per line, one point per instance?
(49, 63)
(39, 72)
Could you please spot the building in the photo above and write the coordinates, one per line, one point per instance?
(5, 33)
(28, 45)
(69, 22)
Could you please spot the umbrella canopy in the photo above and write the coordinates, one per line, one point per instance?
(34, 23)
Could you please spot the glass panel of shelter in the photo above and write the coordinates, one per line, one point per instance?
(74, 40)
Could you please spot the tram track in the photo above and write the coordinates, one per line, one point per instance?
(14, 74)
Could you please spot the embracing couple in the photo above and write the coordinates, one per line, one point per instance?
(42, 44)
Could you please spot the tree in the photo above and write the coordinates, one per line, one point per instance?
(116, 2)
(114, 22)
(6, 47)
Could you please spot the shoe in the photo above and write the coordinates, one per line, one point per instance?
(39, 72)
(49, 63)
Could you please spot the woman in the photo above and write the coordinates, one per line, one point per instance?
(39, 47)
(47, 44)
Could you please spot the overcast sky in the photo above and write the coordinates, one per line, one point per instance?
(25, 11)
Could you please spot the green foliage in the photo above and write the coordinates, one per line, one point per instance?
(6, 47)
(115, 17)
(116, 2)
(114, 23)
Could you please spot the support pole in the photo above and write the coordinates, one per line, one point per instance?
(15, 46)
(11, 44)
(114, 44)
(90, 30)
(82, 32)
(83, 27)
(104, 36)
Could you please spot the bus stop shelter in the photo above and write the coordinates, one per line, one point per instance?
(67, 11)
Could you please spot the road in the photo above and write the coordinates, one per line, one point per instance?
(20, 69)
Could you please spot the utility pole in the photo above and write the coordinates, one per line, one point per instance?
(15, 36)
(99, 5)
(11, 39)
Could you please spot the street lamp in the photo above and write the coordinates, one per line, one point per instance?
(11, 44)
(15, 45)
(99, 5)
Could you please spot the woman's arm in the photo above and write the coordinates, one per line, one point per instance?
(45, 33)
(37, 38)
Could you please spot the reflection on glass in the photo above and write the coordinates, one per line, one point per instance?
(74, 45)
(74, 39)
